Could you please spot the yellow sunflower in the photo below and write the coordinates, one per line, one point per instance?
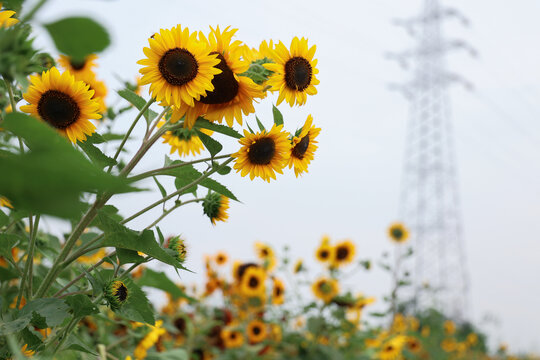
(294, 71)
(178, 67)
(303, 147)
(221, 258)
(232, 94)
(63, 103)
(266, 254)
(4, 202)
(325, 252)
(398, 233)
(251, 54)
(256, 331)
(413, 345)
(343, 253)
(99, 87)
(252, 282)
(184, 141)
(232, 338)
(391, 349)
(278, 292)
(79, 68)
(215, 206)
(263, 153)
(6, 19)
(325, 289)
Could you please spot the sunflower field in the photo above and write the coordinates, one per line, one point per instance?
(82, 294)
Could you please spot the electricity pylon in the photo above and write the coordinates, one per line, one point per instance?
(429, 202)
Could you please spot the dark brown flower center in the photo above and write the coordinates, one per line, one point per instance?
(180, 324)
(178, 66)
(298, 73)
(58, 109)
(77, 65)
(242, 269)
(233, 335)
(324, 254)
(225, 85)
(342, 253)
(253, 282)
(300, 149)
(262, 151)
(256, 330)
(121, 293)
(397, 233)
(278, 290)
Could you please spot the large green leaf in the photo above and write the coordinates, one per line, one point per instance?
(7, 242)
(51, 310)
(119, 236)
(95, 154)
(138, 102)
(52, 176)
(15, 325)
(212, 145)
(222, 129)
(137, 307)
(81, 305)
(78, 36)
(160, 280)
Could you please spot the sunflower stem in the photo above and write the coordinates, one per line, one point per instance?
(34, 10)
(167, 212)
(29, 260)
(13, 109)
(128, 133)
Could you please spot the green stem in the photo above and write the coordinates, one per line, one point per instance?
(33, 241)
(13, 109)
(29, 261)
(167, 212)
(34, 10)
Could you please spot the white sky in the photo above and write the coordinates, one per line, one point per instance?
(352, 187)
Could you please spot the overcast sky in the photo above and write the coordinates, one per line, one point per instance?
(352, 187)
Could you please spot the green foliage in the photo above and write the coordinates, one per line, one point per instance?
(78, 37)
(138, 102)
(278, 117)
(159, 280)
(257, 72)
(81, 305)
(137, 307)
(222, 129)
(46, 312)
(213, 146)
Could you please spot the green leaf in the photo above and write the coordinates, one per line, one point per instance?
(119, 236)
(138, 102)
(159, 280)
(97, 157)
(7, 242)
(31, 339)
(16, 325)
(126, 256)
(81, 305)
(259, 123)
(161, 188)
(111, 137)
(217, 187)
(7, 274)
(222, 129)
(137, 307)
(175, 354)
(222, 170)
(78, 36)
(212, 145)
(53, 175)
(74, 343)
(4, 219)
(53, 311)
(278, 117)
(160, 235)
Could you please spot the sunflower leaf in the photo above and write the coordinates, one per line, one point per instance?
(137, 307)
(4, 219)
(7, 242)
(213, 146)
(81, 305)
(47, 311)
(222, 129)
(78, 37)
(278, 116)
(160, 187)
(95, 154)
(159, 280)
(138, 102)
(259, 123)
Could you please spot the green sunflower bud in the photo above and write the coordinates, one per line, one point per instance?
(116, 293)
(178, 245)
(215, 207)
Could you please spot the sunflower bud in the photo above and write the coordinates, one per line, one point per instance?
(116, 293)
(215, 207)
(179, 247)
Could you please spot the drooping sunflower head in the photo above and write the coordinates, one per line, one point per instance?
(263, 154)
(184, 141)
(278, 292)
(4, 202)
(398, 233)
(215, 206)
(343, 253)
(84, 67)
(232, 338)
(178, 245)
(325, 252)
(116, 293)
(294, 71)
(266, 254)
(253, 282)
(63, 103)
(325, 289)
(221, 258)
(6, 19)
(256, 331)
(303, 147)
(178, 67)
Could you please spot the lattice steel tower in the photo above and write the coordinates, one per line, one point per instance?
(429, 202)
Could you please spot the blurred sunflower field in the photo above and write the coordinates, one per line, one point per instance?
(80, 295)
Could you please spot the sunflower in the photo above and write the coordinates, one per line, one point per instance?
(449, 327)
(278, 292)
(256, 331)
(221, 258)
(178, 67)
(398, 233)
(232, 94)
(184, 141)
(240, 269)
(391, 349)
(263, 153)
(325, 252)
(294, 71)
(252, 283)
(298, 266)
(99, 87)
(94, 258)
(178, 245)
(63, 103)
(325, 289)
(4, 202)
(79, 68)
(413, 345)
(6, 19)
(116, 293)
(343, 253)
(232, 338)
(252, 55)
(215, 206)
(303, 147)
(266, 254)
